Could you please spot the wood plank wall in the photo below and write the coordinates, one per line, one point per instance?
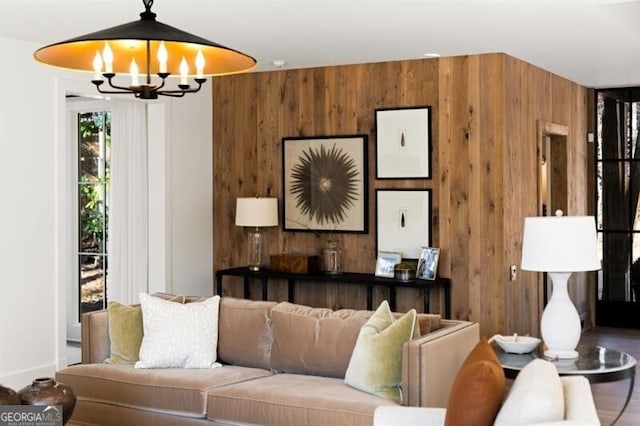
(484, 112)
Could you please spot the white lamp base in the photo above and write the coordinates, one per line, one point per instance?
(560, 326)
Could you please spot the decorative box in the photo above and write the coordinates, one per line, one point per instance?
(295, 263)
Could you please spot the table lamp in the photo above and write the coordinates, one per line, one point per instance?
(559, 246)
(255, 213)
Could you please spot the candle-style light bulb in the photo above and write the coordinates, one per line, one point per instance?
(133, 69)
(184, 71)
(97, 66)
(162, 57)
(199, 64)
(107, 56)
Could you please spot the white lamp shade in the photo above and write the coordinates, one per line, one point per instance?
(256, 211)
(560, 244)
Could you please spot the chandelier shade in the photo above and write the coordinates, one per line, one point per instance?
(135, 50)
(129, 41)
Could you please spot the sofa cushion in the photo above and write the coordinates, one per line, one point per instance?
(376, 363)
(536, 396)
(329, 337)
(293, 399)
(170, 390)
(244, 332)
(125, 330)
(477, 390)
(178, 335)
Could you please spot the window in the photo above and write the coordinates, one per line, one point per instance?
(617, 201)
(94, 140)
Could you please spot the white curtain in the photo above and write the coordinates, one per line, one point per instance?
(128, 210)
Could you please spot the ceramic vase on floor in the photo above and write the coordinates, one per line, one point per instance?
(8, 396)
(45, 391)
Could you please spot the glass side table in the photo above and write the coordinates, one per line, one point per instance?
(596, 363)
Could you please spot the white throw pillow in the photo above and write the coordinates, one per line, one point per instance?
(179, 336)
(535, 397)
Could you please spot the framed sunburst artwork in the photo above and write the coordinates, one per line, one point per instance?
(324, 183)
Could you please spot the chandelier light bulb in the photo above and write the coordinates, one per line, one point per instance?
(162, 58)
(97, 66)
(134, 72)
(199, 64)
(184, 71)
(107, 56)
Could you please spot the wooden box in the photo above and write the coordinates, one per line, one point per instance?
(295, 263)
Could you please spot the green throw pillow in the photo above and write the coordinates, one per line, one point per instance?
(126, 331)
(376, 362)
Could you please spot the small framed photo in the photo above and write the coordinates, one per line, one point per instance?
(428, 263)
(403, 143)
(387, 260)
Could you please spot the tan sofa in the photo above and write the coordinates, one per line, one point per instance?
(284, 364)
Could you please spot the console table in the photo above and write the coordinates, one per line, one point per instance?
(368, 280)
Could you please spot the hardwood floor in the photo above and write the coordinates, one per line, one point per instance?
(609, 397)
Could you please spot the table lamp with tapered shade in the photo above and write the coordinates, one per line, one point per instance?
(560, 245)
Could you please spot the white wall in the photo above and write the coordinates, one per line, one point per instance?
(32, 270)
(28, 297)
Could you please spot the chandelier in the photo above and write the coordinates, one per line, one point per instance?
(149, 52)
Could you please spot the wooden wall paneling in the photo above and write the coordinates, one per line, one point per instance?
(519, 181)
(234, 152)
(454, 134)
(491, 168)
(479, 143)
(476, 116)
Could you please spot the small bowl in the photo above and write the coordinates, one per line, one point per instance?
(517, 344)
(404, 272)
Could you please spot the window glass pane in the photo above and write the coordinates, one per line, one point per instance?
(94, 141)
(634, 275)
(615, 195)
(599, 206)
(93, 218)
(634, 195)
(93, 274)
(615, 266)
(613, 127)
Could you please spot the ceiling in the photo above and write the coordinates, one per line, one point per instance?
(595, 43)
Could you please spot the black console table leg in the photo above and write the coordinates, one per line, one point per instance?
(447, 300)
(369, 297)
(219, 283)
(291, 291)
(246, 286)
(264, 288)
(392, 298)
(425, 295)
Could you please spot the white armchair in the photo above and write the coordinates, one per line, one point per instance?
(579, 409)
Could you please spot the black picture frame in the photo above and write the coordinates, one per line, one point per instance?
(403, 221)
(403, 142)
(325, 183)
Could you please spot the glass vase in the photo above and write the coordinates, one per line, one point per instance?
(332, 258)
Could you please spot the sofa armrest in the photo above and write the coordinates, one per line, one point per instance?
(95, 336)
(431, 362)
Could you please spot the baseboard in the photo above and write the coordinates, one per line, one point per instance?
(19, 379)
